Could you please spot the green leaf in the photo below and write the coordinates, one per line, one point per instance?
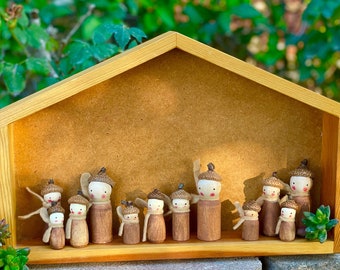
(246, 11)
(122, 36)
(36, 35)
(14, 78)
(38, 65)
(104, 51)
(332, 223)
(78, 52)
(4, 101)
(322, 236)
(137, 33)
(166, 16)
(23, 20)
(194, 15)
(224, 20)
(20, 35)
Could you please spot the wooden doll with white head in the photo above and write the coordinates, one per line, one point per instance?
(99, 188)
(55, 234)
(286, 224)
(270, 204)
(208, 185)
(300, 184)
(129, 227)
(180, 208)
(76, 226)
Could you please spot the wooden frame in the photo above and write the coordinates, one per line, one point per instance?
(12, 116)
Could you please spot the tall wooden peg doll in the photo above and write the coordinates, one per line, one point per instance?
(270, 204)
(99, 188)
(300, 184)
(49, 193)
(208, 185)
(154, 229)
(55, 234)
(180, 214)
(286, 224)
(249, 217)
(76, 226)
(129, 227)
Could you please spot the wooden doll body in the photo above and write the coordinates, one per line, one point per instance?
(57, 238)
(76, 227)
(180, 208)
(129, 227)
(249, 220)
(286, 224)
(156, 230)
(304, 203)
(208, 205)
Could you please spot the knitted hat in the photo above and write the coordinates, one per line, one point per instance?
(102, 177)
(50, 187)
(156, 194)
(290, 204)
(302, 170)
(273, 181)
(252, 205)
(210, 174)
(79, 199)
(129, 208)
(180, 193)
(55, 208)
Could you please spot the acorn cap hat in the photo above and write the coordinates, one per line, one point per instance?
(79, 199)
(210, 174)
(252, 205)
(302, 170)
(55, 208)
(129, 208)
(156, 194)
(51, 187)
(290, 204)
(180, 193)
(273, 181)
(102, 177)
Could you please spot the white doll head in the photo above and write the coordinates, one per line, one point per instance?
(251, 213)
(271, 192)
(288, 213)
(155, 204)
(300, 184)
(52, 197)
(57, 218)
(77, 209)
(181, 204)
(99, 191)
(133, 217)
(209, 189)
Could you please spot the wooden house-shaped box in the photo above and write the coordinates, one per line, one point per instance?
(146, 115)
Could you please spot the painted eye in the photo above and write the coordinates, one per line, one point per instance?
(91, 190)
(185, 204)
(214, 188)
(199, 187)
(105, 191)
(307, 185)
(175, 203)
(293, 183)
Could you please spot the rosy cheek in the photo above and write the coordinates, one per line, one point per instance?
(305, 189)
(72, 212)
(79, 213)
(293, 188)
(201, 193)
(91, 195)
(103, 196)
(212, 194)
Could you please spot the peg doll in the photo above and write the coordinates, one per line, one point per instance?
(286, 225)
(208, 185)
(49, 193)
(154, 228)
(76, 226)
(180, 209)
(300, 184)
(99, 188)
(249, 218)
(270, 204)
(129, 227)
(55, 234)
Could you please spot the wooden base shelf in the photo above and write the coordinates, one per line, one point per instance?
(229, 246)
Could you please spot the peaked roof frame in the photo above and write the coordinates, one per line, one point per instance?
(147, 51)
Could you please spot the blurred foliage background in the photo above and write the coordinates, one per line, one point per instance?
(45, 41)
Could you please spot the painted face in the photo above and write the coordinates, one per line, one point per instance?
(155, 204)
(99, 191)
(250, 213)
(288, 213)
(271, 192)
(131, 216)
(57, 218)
(52, 197)
(181, 204)
(77, 209)
(209, 189)
(300, 184)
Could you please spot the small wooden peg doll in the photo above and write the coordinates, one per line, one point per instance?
(154, 229)
(76, 226)
(208, 185)
(180, 214)
(300, 184)
(55, 234)
(49, 193)
(286, 224)
(129, 226)
(270, 204)
(249, 217)
(99, 188)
